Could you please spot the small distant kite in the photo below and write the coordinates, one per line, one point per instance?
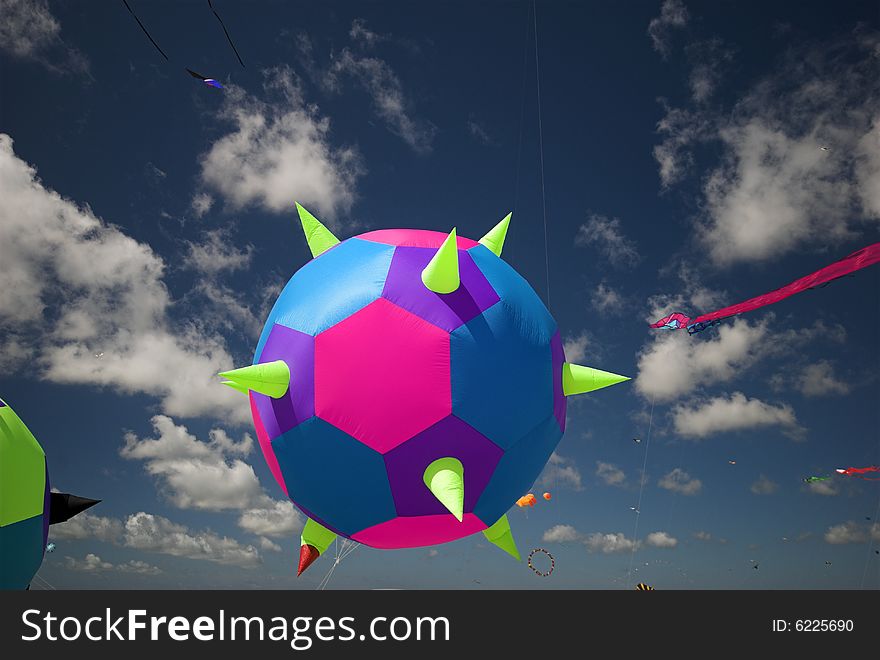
(549, 556)
(824, 148)
(858, 472)
(859, 259)
(812, 480)
(828, 563)
(637, 440)
(50, 547)
(526, 500)
(208, 81)
(641, 586)
(633, 508)
(732, 462)
(548, 496)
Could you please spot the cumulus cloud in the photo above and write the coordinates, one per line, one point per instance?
(609, 543)
(196, 474)
(735, 412)
(702, 535)
(390, 102)
(764, 486)
(76, 286)
(361, 33)
(852, 532)
(152, 533)
(29, 31)
(774, 190)
(673, 15)
(672, 364)
(607, 236)
(478, 131)
(278, 153)
(278, 519)
(819, 380)
(561, 534)
(575, 347)
(606, 299)
(679, 481)
(560, 472)
(217, 253)
(92, 563)
(269, 545)
(661, 540)
(826, 488)
(610, 474)
(201, 203)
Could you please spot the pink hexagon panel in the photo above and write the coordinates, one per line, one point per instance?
(382, 375)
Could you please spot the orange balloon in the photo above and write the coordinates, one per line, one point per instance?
(547, 496)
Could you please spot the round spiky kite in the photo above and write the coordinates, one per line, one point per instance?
(408, 387)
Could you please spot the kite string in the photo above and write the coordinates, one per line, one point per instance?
(541, 151)
(226, 32)
(144, 29)
(641, 490)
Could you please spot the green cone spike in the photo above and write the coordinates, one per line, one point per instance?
(235, 386)
(441, 273)
(319, 238)
(577, 379)
(500, 535)
(269, 378)
(445, 479)
(315, 534)
(494, 239)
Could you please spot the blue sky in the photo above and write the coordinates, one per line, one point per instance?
(146, 227)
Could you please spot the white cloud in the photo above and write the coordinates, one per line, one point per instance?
(196, 474)
(478, 132)
(852, 532)
(560, 534)
(702, 536)
(280, 153)
(673, 14)
(560, 472)
(826, 488)
(661, 540)
(278, 519)
(390, 102)
(708, 58)
(152, 533)
(606, 234)
(764, 486)
(269, 545)
(29, 31)
(609, 543)
(732, 413)
(87, 526)
(673, 364)
(610, 474)
(819, 380)
(93, 563)
(201, 203)
(606, 299)
(75, 286)
(774, 190)
(218, 253)
(575, 347)
(679, 481)
(360, 32)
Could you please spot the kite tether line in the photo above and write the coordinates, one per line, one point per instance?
(641, 490)
(144, 29)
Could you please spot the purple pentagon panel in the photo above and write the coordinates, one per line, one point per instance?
(297, 405)
(406, 465)
(404, 288)
(559, 401)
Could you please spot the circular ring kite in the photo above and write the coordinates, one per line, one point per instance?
(552, 562)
